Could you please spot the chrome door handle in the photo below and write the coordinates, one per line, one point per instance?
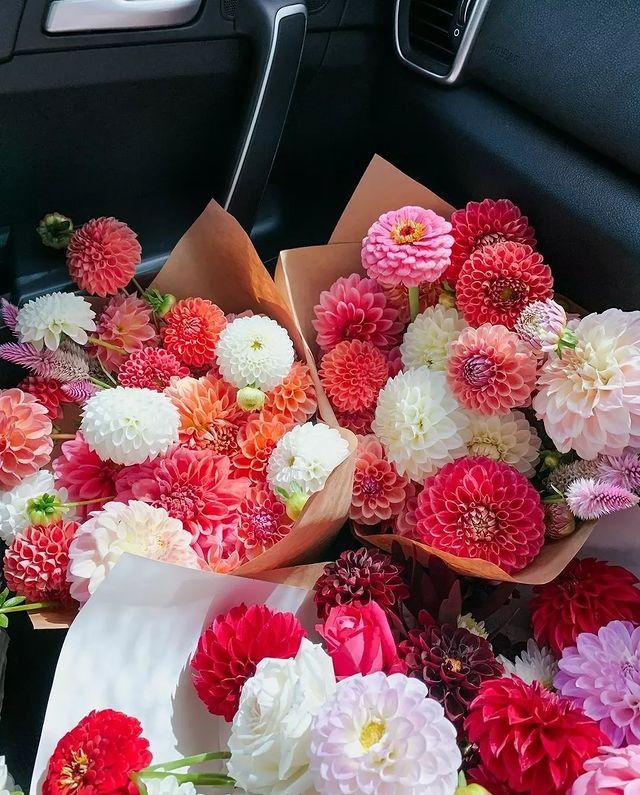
(67, 16)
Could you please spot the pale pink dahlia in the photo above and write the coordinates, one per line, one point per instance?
(490, 370)
(355, 308)
(543, 326)
(591, 499)
(620, 470)
(151, 368)
(379, 492)
(589, 400)
(126, 323)
(615, 771)
(407, 246)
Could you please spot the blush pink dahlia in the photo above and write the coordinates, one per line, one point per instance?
(591, 499)
(260, 521)
(355, 308)
(615, 771)
(352, 374)
(379, 492)
(126, 323)
(151, 368)
(490, 370)
(25, 436)
(600, 675)
(102, 256)
(481, 508)
(407, 246)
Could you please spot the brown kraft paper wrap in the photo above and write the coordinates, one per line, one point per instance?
(303, 273)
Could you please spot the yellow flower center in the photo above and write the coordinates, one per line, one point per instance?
(454, 664)
(372, 733)
(257, 345)
(72, 774)
(406, 232)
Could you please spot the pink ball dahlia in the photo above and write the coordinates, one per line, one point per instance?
(482, 224)
(151, 368)
(260, 521)
(406, 520)
(352, 374)
(126, 322)
(35, 565)
(490, 370)
(355, 308)
(25, 436)
(481, 508)
(47, 391)
(192, 329)
(103, 255)
(379, 492)
(407, 246)
(498, 281)
(615, 771)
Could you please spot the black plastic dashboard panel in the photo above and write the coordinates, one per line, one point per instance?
(574, 64)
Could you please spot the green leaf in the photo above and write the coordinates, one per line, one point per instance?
(4, 621)
(15, 600)
(3, 596)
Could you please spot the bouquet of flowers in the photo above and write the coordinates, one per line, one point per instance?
(492, 420)
(156, 422)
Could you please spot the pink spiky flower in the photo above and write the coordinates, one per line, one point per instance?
(9, 314)
(620, 470)
(79, 391)
(26, 355)
(591, 499)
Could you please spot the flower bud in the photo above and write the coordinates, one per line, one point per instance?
(161, 303)
(550, 459)
(447, 298)
(472, 789)
(45, 509)
(250, 398)
(558, 520)
(55, 230)
(295, 503)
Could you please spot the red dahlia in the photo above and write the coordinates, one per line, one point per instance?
(485, 223)
(497, 282)
(47, 391)
(98, 756)
(192, 328)
(529, 738)
(353, 373)
(231, 648)
(587, 595)
(151, 368)
(363, 576)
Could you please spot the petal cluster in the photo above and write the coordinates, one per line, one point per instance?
(352, 374)
(379, 492)
(25, 436)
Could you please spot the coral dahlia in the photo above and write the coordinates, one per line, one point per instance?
(47, 391)
(497, 282)
(151, 368)
(230, 649)
(481, 508)
(98, 756)
(260, 521)
(25, 436)
(379, 492)
(102, 256)
(256, 441)
(126, 322)
(193, 327)
(406, 520)
(530, 738)
(587, 595)
(490, 370)
(352, 374)
(294, 399)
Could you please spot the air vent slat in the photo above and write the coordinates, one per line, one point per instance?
(430, 28)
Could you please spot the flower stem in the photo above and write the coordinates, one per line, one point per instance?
(30, 606)
(138, 286)
(203, 779)
(414, 302)
(188, 761)
(59, 437)
(108, 345)
(98, 382)
(107, 373)
(86, 502)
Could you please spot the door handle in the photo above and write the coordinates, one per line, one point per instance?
(68, 16)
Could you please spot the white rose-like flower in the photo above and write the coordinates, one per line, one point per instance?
(304, 457)
(254, 351)
(128, 425)
(14, 519)
(134, 527)
(271, 730)
(420, 424)
(381, 734)
(533, 665)
(7, 784)
(426, 342)
(167, 786)
(507, 437)
(45, 320)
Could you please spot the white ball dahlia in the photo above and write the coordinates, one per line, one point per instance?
(381, 734)
(167, 786)
(589, 400)
(134, 527)
(254, 351)
(533, 665)
(427, 340)
(304, 457)
(127, 425)
(7, 784)
(507, 437)
(46, 320)
(14, 517)
(421, 425)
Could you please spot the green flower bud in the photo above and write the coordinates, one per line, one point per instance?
(550, 459)
(295, 503)
(447, 297)
(45, 509)
(55, 230)
(161, 303)
(472, 789)
(250, 398)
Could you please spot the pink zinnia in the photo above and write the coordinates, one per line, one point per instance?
(194, 486)
(615, 771)
(151, 368)
(352, 374)
(126, 323)
(84, 475)
(25, 436)
(103, 255)
(354, 308)
(379, 492)
(407, 246)
(620, 470)
(591, 499)
(261, 521)
(490, 370)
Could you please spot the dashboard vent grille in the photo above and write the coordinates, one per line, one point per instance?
(431, 29)
(229, 7)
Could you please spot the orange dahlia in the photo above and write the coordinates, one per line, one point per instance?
(209, 415)
(126, 323)
(294, 399)
(256, 441)
(193, 326)
(353, 373)
(25, 436)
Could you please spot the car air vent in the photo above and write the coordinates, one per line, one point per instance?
(229, 7)
(435, 36)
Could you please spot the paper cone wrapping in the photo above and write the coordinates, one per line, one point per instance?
(303, 273)
(215, 259)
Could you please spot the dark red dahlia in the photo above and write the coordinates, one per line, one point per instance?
(98, 756)
(363, 576)
(452, 662)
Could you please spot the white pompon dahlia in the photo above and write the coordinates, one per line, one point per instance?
(589, 400)
(507, 437)
(254, 351)
(47, 320)
(468, 622)
(427, 340)
(304, 457)
(7, 784)
(14, 518)
(533, 665)
(420, 424)
(127, 425)
(269, 741)
(167, 786)
(382, 734)
(118, 527)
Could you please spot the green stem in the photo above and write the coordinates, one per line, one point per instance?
(31, 606)
(138, 287)
(188, 761)
(98, 382)
(107, 373)
(414, 302)
(59, 437)
(78, 503)
(204, 779)
(107, 345)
